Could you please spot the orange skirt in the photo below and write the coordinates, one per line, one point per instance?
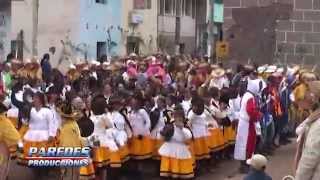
(157, 143)
(216, 140)
(101, 156)
(191, 149)
(141, 149)
(87, 172)
(124, 153)
(176, 168)
(229, 135)
(201, 148)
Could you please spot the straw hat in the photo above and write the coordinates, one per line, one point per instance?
(262, 69)
(27, 61)
(308, 76)
(219, 72)
(133, 55)
(271, 69)
(258, 162)
(16, 61)
(68, 112)
(314, 87)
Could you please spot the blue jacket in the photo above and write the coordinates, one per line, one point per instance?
(257, 175)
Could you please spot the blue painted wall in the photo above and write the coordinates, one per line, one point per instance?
(95, 19)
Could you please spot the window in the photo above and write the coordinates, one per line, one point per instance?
(161, 7)
(17, 48)
(101, 49)
(168, 6)
(148, 4)
(142, 4)
(194, 7)
(102, 1)
(178, 7)
(183, 6)
(188, 7)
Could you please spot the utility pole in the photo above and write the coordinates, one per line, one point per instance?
(35, 22)
(177, 35)
(210, 29)
(178, 28)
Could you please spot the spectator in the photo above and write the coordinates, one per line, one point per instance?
(258, 165)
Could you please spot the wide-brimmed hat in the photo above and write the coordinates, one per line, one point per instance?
(271, 69)
(308, 76)
(262, 69)
(257, 161)
(314, 87)
(219, 72)
(67, 111)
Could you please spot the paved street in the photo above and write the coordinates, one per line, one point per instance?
(279, 165)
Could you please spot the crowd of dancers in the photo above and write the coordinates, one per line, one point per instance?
(181, 114)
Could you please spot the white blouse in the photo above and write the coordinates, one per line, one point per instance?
(41, 125)
(122, 131)
(176, 147)
(57, 117)
(104, 131)
(140, 122)
(199, 124)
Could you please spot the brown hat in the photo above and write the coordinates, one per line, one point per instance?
(67, 111)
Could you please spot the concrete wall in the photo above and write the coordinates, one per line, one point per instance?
(22, 20)
(295, 36)
(79, 24)
(5, 29)
(167, 27)
(56, 23)
(95, 20)
(146, 31)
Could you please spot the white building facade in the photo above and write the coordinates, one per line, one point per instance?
(85, 29)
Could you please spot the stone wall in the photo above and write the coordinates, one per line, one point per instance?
(296, 34)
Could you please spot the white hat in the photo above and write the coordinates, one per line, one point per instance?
(133, 55)
(79, 61)
(257, 161)
(271, 69)
(27, 61)
(72, 66)
(106, 63)
(261, 69)
(280, 70)
(95, 62)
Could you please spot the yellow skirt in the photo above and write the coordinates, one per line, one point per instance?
(23, 130)
(87, 172)
(176, 168)
(216, 140)
(100, 156)
(141, 149)
(157, 143)
(22, 159)
(201, 148)
(14, 121)
(229, 135)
